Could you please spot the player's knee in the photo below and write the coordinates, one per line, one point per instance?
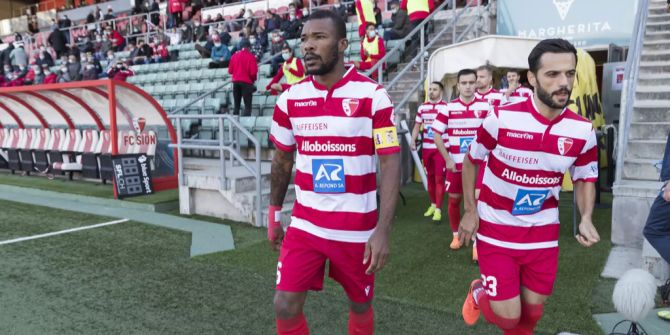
(360, 308)
(286, 307)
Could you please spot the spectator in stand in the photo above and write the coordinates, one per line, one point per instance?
(64, 25)
(74, 50)
(262, 36)
(218, 18)
(175, 8)
(155, 16)
(365, 13)
(276, 46)
(220, 54)
(292, 27)
(49, 76)
(18, 56)
(305, 14)
(99, 15)
(199, 32)
(340, 10)
(400, 25)
(144, 53)
(110, 14)
(90, 18)
(37, 74)
(90, 72)
(4, 55)
(117, 40)
(132, 52)
(237, 23)
(378, 14)
(161, 53)
(417, 10)
(372, 50)
(256, 47)
(57, 41)
(292, 69)
(196, 5)
(272, 21)
(186, 33)
(244, 71)
(44, 57)
(250, 21)
(74, 68)
(120, 71)
(63, 75)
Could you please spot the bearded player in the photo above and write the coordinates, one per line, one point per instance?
(485, 90)
(515, 92)
(459, 122)
(530, 145)
(340, 123)
(432, 159)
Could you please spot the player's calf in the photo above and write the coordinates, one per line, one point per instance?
(361, 319)
(288, 312)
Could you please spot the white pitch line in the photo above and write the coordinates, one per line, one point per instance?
(61, 232)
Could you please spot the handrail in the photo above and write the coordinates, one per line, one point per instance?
(222, 147)
(632, 73)
(114, 23)
(419, 28)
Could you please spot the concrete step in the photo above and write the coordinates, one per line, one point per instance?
(649, 130)
(659, 44)
(655, 9)
(651, 36)
(646, 149)
(653, 79)
(656, 55)
(654, 66)
(658, 26)
(664, 17)
(644, 112)
(640, 169)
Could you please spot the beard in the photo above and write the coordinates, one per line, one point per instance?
(327, 65)
(547, 98)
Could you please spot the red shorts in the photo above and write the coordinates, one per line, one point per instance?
(302, 262)
(480, 176)
(504, 270)
(454, 182)
(433, 161)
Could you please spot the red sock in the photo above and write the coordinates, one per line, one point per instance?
(454, 213)
(362, 324)
(431, 187)
(439, 190)
(502, 323)
(296, 325)
(530, 315)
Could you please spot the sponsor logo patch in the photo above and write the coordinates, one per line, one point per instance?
(350, 106)
(529, 201)
(465, 144)
(328, 175)
(564, 145)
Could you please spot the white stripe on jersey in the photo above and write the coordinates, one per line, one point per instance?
(514, 118)
(505, 218)
(518, 246)
(543, 161)
(353, 165)
(355, 90)
(332, 234)
(283, 135)
(455, 122)
(338, 202)
(353, 126)
(568, 127)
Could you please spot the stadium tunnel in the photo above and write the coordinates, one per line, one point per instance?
(136, 123)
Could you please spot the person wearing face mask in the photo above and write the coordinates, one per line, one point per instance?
(276, 46)
(293, 69)
(199, 32)
(36, 73)
(74, 68)
(49, 76)
(293, 26)
(63, 75)
(90, 73)
(372, 50)
(272, 21)
(220, 54)
(186, 33)
(365, 13)
(400, 25)
(340, 10)
(44, 57)
(161, 53)
(257, 48)
(18, 56)
(120, 71)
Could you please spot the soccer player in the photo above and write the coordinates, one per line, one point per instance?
(432, 159)
(530, 145)
(515, 92)
(340, 123)
(459, 121)
(485, 90)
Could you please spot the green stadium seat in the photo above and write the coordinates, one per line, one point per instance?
(257, 103)
(212, 105)
(262, 130)
(269, 107)
(194, 90)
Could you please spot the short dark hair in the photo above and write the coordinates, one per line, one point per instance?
(369, 24)
(340, 26)
(517, 71)
(439, 84)
(286, 47)
(486, 67)
(465, 72)
(552, 45)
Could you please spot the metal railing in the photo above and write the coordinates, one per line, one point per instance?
(632, 73)
(83, 29)
(420, 29)
(228, 142)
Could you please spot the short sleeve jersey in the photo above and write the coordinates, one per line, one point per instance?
(528, 156)
(460, 121)
(337, 134)
(521, 93)
(492, 96)
(425, 116)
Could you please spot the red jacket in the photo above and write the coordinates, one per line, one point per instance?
(51, 78)
(243, 67)
(161, 50)
(117, 38)
(419, 14)
(120, 74)
(175, 6)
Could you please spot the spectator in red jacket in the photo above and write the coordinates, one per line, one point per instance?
(161, 53)
(372, 50)
(244, 70)
(49, 76)
(176, 7)
(120, 71)
(118, 42)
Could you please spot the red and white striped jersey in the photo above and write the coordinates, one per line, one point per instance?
(528, 156)
(492, 96)
(460, 121)
(425, 115)
(519, 94)
(337, 133)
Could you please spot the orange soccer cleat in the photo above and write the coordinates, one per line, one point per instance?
(470, 309)
(455, 243)
(475, 257)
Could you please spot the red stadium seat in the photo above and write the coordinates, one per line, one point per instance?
(87, 145)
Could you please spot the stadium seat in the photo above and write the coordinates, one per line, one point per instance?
(269, 107)
(67, 153)
(257, 103)
(25, 150)
(212, 106)
(86, 146)
(43, 159)
(4, 135)
(195, 89)
(264, 70)
(39, 154)
(262, 130)
(13, 145)
(90, 160)
(40, 138)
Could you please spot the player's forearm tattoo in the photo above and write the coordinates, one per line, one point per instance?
(280, 176)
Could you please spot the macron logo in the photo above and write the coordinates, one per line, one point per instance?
(523, 136)
(309, 103)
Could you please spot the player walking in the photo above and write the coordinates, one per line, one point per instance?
(459, 121)
(515, 92)
(339, 122)
(432, 159)
(530, 145)
(485, 90)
